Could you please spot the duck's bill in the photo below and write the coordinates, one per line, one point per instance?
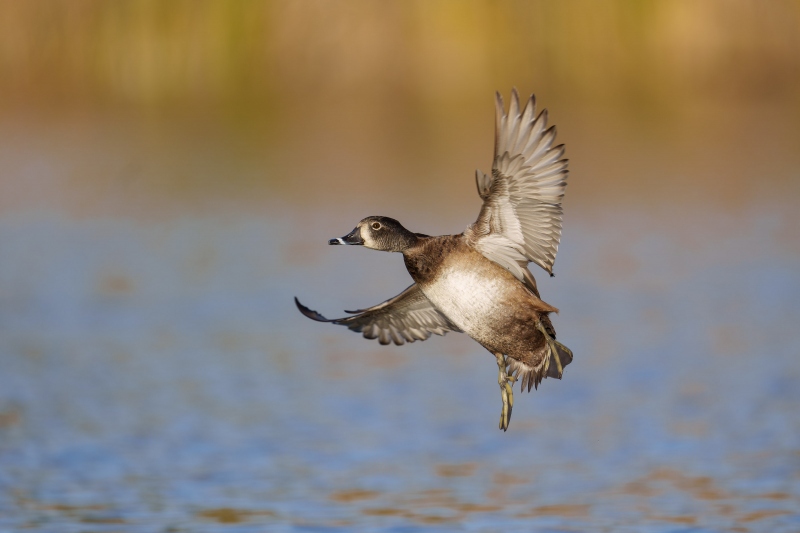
(354, 237)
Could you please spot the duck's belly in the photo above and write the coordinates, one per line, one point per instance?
(476, 301)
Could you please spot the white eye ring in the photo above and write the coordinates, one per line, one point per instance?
(376, 225)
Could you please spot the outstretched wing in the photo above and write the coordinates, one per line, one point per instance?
(409, 316)
(520, 220)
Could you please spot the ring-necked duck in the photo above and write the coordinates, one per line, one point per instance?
(478, 281)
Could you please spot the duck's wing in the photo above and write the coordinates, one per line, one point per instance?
(520, 220)
(407, 317)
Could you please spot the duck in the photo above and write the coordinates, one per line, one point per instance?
(478, 282)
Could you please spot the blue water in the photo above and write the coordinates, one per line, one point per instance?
(155, 376)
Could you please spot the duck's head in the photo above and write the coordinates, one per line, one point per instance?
(379, 233)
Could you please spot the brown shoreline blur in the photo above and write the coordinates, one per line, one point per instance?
(145, 108)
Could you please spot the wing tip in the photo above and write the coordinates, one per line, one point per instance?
(532, 104)
(309, 313)
(499, 106)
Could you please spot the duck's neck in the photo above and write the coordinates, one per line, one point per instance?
(404, 241)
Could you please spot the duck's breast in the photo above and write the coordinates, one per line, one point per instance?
(474, 293)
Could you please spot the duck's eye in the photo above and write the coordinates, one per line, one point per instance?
(376, 225)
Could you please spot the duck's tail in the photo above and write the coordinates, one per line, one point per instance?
(556, 357)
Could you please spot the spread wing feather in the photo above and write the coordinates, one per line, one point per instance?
(407, 317)
(520, 220)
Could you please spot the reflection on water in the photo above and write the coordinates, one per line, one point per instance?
(156, 376)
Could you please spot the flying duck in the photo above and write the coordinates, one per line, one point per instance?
(478, 282)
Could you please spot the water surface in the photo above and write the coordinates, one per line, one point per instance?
(155, 376)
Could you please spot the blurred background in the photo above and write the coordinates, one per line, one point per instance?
(170, 173)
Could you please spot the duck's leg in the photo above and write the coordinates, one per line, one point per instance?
(506, 391)
(553, 355)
